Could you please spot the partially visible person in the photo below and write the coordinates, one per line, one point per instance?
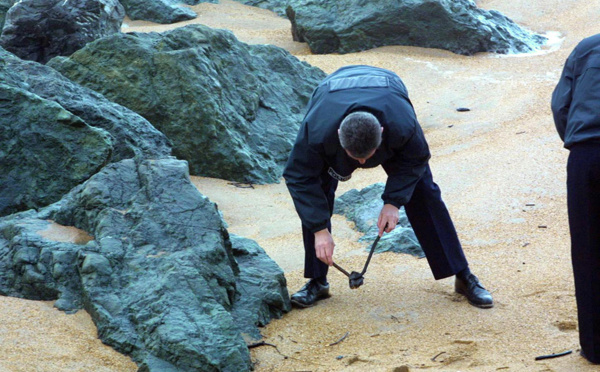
(361, 117)
(576, 110)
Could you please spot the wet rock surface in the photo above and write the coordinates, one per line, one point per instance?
(158, 11)
(355, 25)
(162, 279)
(56, 134)
(231, 110)
(38, 30)
(42, 160)
(278, 6)
(4, 7)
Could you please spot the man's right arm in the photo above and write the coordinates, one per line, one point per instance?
(302, 176)
(562, 97)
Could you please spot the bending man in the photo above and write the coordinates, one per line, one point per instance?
(361, 117)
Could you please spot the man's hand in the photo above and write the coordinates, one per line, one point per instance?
(389, 217)
(324, 246)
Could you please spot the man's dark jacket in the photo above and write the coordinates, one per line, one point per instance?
(576, 98)
(317, 153)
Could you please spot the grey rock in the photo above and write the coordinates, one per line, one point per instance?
(44, 150)
(160, 279)
(262, 288)
(38, 30)
(196, 2)
(39, 165)
(4, 7)
(158, 11)
(231, 110)
(277, 6)
(131, 134)
(35, 268)
(459, 26)
(363, 206)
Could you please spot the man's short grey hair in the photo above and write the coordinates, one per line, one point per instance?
(360, 134)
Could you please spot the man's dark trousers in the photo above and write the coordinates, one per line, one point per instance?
(429, 219)
(583, 200)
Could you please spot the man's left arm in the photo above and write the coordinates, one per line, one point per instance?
(404, 170)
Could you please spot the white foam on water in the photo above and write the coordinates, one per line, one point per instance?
(553, 43)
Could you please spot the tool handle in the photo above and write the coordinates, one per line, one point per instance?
(370, 255)
(341, 269)
(368, 258)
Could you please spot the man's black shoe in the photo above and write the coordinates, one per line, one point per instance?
(474, 291)
(310, 293)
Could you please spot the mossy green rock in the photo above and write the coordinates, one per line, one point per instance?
(277, 6)
(4, 7)
(230, 109)
(55, 134)
(37, 30)
(158, 11)
(162, 279)
(44, 150)
(347, 26)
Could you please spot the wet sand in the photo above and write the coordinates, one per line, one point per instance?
(501, 168)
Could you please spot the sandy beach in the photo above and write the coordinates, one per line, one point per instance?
(501, 169)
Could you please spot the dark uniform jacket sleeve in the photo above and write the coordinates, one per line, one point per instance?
(575, 99)
(302, 176)
(562, 97)
(405, 169)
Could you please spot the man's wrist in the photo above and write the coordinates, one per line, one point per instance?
(321, 232)
(318, 228)
(394, 203)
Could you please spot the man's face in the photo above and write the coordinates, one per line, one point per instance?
(361, 160)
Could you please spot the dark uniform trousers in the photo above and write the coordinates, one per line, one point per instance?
(583, 201)
(429, 219)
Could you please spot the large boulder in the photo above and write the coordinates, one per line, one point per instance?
(158, 11)
(277, 6)
(231, 110)
(38, 30)
(262, 288)
(363, 206)
(55, 134)
(161, 278)
(44, 150)
(4, 7)
(347, 26)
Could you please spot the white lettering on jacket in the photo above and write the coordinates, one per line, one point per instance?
(338, 177)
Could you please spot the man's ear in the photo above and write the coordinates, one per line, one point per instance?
(381, 130)
(338, 132)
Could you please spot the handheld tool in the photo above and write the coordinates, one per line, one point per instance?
(357, 279)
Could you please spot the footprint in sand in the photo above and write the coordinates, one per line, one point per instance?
(455, 352)
(566, 325)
